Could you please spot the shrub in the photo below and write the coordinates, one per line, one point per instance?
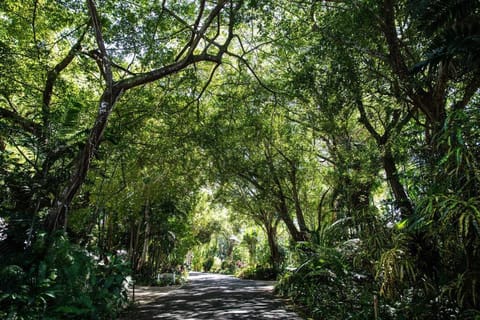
(323, 291)
(228, 267)
(257, 273)
(208, 264)
(59, 280)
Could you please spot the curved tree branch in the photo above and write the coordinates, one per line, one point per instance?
(57, 216)
(97, 27)
(26, 124)
(52, 77)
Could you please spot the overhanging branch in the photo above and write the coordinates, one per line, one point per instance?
(144, 78)
(106, 65)
(25, 124)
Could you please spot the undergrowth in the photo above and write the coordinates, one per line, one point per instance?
(56, 279)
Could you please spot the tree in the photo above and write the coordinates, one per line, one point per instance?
(401, 86)
(207, 18)
(69, 69)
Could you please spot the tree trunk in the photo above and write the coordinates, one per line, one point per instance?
(275, 257)
(296, 198)
(296, 235)
(57, 216)
(402, 201)
(146, 239)
(131, 243)
(136, 258)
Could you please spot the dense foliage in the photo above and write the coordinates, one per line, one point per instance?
(332, 144)
(60, 280)
(67, 69)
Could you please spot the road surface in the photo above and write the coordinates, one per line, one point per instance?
(215, 296)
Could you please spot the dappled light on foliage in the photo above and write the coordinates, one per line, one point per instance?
(332, 146)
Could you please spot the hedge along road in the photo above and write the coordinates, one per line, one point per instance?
(215, 296)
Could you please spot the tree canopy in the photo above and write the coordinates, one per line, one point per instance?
(331, 145)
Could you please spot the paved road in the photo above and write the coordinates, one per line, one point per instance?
(214, 296)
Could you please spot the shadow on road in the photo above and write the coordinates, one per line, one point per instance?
(213, 296)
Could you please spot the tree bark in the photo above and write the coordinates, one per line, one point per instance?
(432, 102)
(296, 199)
(281, 204)
(284, 214)
(275, 259)
(146, 238)
(402, 201)
(57, 216)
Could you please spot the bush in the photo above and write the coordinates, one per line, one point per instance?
(228, 267)
(257, 273)
(326, 282)
(322, 291)
(208, 264)
(59, 280)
